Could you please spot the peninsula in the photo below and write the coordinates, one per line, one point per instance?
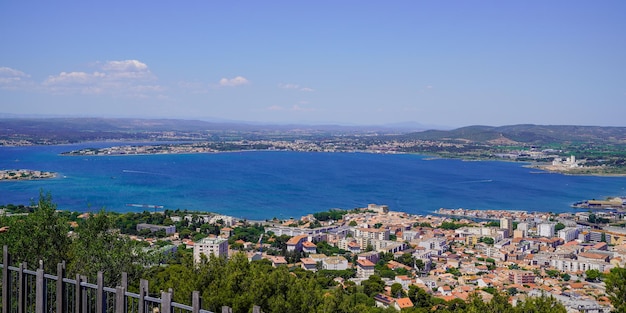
(575, 150)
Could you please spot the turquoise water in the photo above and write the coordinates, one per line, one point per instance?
(260, 185)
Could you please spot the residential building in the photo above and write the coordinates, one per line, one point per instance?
(210, 246)
(568, 234)
(169, 230)
(364, 268)
(546, 229)
(295, 243)
(308, 264)
(522, 277)
(309, 247)
(372, 233)
(335, 263)
(507, 223)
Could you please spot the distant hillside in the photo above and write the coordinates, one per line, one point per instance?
(68, 130)
(528, 134)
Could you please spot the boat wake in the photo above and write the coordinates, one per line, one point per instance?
(141, 172)
(475, 181)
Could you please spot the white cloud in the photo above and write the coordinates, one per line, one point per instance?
(294, 86)
(118, 78)
(236, 81)
(12, 78)
(288, 86)
(275, 108)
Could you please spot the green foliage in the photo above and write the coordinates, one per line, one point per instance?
(352, 223)
(330, 215)
(544, 303)
(593, 275)
(559, 226)
(97, 248)
(325, 248)
(41, 235)
(616, 288)
(552, 273)
(487, 240)
(452, 225)
(373, 285)
(493, 224)
(250, 233)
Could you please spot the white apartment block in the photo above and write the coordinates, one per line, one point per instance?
(507, 223)
(438, 244)
(546, 229)
(372, 233)
(571, 265)
(210, 246)
(568, 234)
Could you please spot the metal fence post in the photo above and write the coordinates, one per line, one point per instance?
(84, 297)
(124, 282)
(120, 300)
(5, 280)
(195, 302)
(60, 295)
(100, 294)
(40, 292)
(143, 290)
(77, 295)
(21, 288)
(166, 302)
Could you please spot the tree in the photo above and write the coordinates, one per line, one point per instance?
(373, 285)
(559, 226)
(420, 297)
(544, 303)
(593, 275)
(397, 291)
(39, 236)
(616, 288)
(98, 248)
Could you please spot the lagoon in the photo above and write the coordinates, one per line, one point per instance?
(267, 184)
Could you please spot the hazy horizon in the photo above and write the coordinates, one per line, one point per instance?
(351, 63)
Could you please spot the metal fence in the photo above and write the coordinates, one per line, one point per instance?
(26, 291)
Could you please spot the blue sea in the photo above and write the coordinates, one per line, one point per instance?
(265, 184)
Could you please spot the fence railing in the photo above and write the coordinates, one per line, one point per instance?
(25, 291)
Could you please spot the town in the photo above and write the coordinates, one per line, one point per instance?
(450, 254)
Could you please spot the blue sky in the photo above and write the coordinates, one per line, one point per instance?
(452, 63)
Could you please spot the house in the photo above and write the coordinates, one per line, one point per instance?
(403, 280)
(308, 264)
(354, 247)
(278, 261)
(309, 247)
(295, 243)
(383, 301)
(445, 290)
(364, 268)
(403, 303)
(335, 263)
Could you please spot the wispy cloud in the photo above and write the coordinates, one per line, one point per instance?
(12, 78)
(294, 108)
(294, 86)
(118, 78)
(233, 82)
